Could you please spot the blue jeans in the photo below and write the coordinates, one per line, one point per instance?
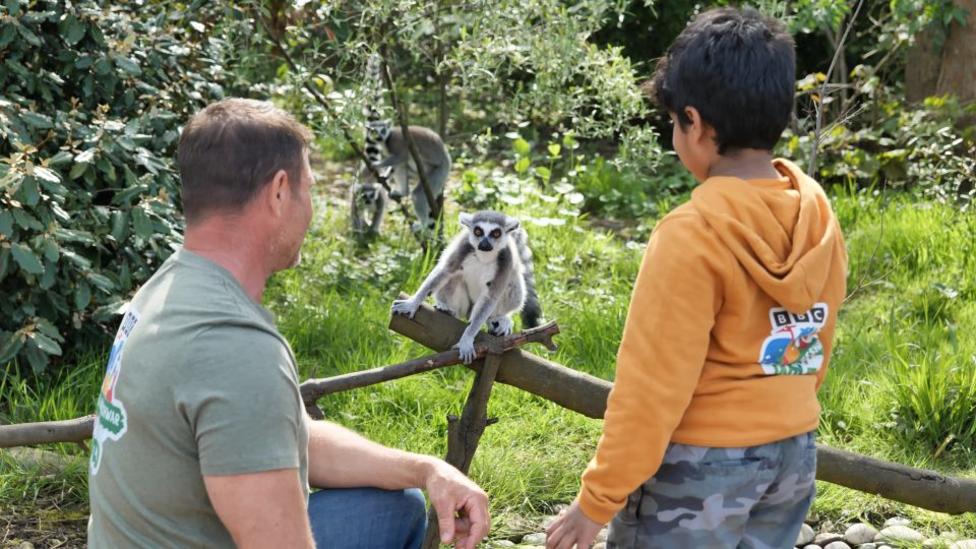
(366, 518)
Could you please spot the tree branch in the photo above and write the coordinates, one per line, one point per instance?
(321, 100)
(435, 209)
(818, 105)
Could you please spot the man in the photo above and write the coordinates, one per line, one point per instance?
(202, 438)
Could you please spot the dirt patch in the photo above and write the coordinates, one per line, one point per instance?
(47, 529)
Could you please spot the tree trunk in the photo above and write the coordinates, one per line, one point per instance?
(948, 70)
(958, 67)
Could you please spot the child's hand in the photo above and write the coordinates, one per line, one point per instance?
(572, 529)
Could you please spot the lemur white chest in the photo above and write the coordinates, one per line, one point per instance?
(477, 274)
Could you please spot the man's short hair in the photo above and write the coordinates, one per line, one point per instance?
(738, 69)
(231, 149)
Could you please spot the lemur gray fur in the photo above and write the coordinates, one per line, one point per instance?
(367, 204)
(434, 157)
(485, 274)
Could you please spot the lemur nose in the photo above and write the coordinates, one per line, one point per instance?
(484, 245)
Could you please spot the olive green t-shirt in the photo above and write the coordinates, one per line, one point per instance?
(199, 383)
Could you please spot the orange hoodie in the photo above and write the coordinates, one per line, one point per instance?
(729, 330)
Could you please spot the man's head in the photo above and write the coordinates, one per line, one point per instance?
(246, 159)
(730, 74)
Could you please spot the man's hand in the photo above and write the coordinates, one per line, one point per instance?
(572, 529)
(462, 507)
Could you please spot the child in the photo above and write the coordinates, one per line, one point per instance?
(708, 435)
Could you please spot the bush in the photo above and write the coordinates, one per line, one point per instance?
(91, 103)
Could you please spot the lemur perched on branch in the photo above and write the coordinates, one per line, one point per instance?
(485, 274)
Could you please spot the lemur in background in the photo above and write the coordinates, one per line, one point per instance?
(387, 150)
(368, 197)
(485, 275)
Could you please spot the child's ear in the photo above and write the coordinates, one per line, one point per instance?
(695, 127)
(698, 130)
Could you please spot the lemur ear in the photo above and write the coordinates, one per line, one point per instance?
(465, 219)
(511, 224)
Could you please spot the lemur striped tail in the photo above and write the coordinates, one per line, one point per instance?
(531, 311)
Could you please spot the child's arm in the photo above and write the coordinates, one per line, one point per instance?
(676, 298)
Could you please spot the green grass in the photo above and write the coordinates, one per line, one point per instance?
(901, 381)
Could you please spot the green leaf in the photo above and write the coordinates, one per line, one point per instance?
(78, 170)
(13, 6)
(7, 35)
(86, 156)
(6, 223)
(141, 223)
(29, 192)
(29, 36)
(47, 280)
(51, 252)
(74, 30)
(82, 296)
(62, 157)
(120, 225)
(544, 173)
(26, 258)
(554, 149)
(35, 120)
(26, 220)
(102, 282)
(48, 329)
(45, 343)
(37, 358)
(127, 65)
(4, 262)
(10, 345)
(521, 147)
(102, 67)
(522, 164)
(46, 174)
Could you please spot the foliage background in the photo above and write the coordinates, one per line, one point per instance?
(548, 125)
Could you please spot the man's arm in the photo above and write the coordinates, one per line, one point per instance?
(340, 458)
(264, 509)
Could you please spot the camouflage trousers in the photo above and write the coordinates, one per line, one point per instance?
(714, 498)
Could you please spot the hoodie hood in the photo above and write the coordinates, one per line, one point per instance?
(782, 231)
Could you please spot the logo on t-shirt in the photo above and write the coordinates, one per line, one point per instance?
(793, 347)
(110, 423)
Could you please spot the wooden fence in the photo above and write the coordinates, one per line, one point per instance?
(501, 359)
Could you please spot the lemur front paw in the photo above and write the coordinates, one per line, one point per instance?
(466, 350)
(405, 307)
(395, 195)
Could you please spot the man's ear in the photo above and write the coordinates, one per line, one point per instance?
(278, 192)
(465, 219)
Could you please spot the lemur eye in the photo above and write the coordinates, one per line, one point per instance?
(497, 233)
(478, 232)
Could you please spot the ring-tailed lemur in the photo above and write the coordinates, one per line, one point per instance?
(485, 275)
(368, 194)
(387, 150)
(368, 202)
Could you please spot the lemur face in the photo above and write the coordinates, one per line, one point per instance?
(488, 231)
(379, 128)
(367, 195)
